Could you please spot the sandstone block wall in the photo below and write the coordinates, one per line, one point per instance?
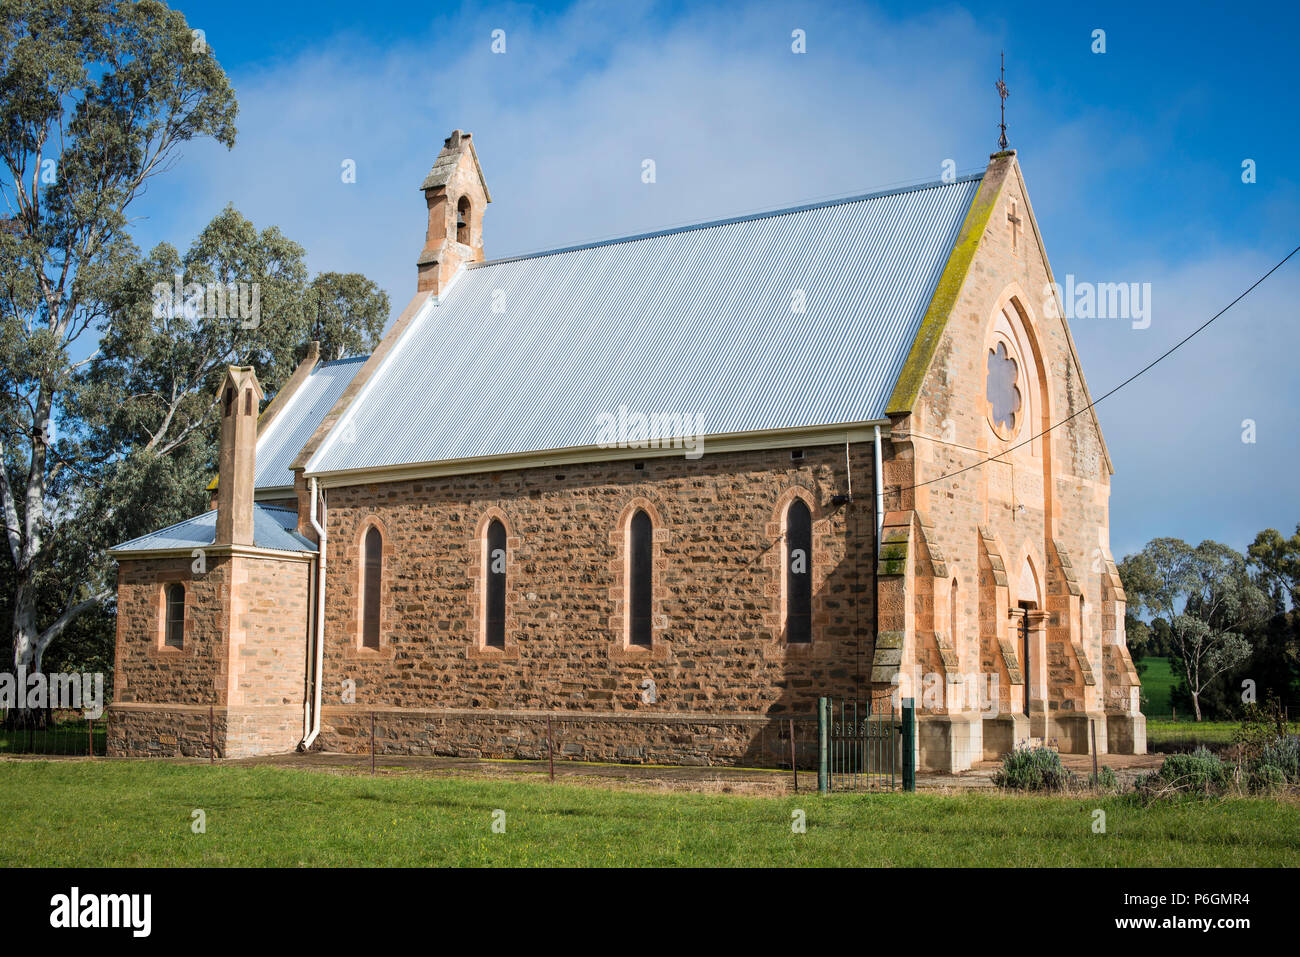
(718, 647)
(244, 654)
(622, 737)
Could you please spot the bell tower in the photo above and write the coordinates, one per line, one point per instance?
(456, 195)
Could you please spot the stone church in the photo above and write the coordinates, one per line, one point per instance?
(666, 491)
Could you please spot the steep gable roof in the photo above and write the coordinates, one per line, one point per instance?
(283, 438)
(699, 320)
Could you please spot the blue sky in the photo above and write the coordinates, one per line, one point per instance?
(1133, 160)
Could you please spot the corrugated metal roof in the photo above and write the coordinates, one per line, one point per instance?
(296, 423)
(691, 321)
(273, 527)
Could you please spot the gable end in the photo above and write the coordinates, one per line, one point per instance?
(908, 386)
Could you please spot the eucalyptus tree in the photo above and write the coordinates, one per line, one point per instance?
(95, 99)
(1207, 597)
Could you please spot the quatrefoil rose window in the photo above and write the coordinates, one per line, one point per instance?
(1002, 392)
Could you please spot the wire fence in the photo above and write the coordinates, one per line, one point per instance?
(844, 746)
(71, 735)
(1178, 730)
(1290, 713)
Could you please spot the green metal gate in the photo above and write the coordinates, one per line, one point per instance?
(864, 747)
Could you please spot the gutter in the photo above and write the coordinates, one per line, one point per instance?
(312, 707)
(793, 437)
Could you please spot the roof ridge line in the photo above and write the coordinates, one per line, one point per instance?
(743, 218)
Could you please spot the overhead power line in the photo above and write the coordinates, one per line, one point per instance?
(1093, 404)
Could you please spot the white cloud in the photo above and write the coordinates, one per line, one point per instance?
(736, 122)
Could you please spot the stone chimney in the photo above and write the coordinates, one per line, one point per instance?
(240, 399)
(456, 195)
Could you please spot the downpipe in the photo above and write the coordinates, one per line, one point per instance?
(318, 526)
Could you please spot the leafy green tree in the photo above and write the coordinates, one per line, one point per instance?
(347, 313)
(141, 416)
(1207, 597)
(123, 441)
(1278, 560)
(145, 409)
(97, 96)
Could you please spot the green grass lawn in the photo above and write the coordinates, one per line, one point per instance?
(1157, 686)
(1164, 734)
(117, 812)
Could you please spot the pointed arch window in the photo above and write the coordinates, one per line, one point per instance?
(798, 573)
(640, 579)
(495, 593)
(174, 636)
(372, 578)
(462, 220)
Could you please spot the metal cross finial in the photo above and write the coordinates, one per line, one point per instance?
(1001, 87)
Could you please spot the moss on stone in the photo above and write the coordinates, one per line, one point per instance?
(910, 379)
(893, 551)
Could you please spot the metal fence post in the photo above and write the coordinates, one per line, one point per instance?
(823, 745)
(909, 744)
(794, 765)
(550, 748)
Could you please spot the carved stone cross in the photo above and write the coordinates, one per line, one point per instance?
(1014, 221)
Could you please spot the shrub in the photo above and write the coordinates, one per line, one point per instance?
(1201, 772)
(1260, 726)
(1267, 777)
(1104, 780)
(1284, 754)
(1145, 784)
(1032, 769)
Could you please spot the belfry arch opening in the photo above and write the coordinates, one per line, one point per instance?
(462, 221)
